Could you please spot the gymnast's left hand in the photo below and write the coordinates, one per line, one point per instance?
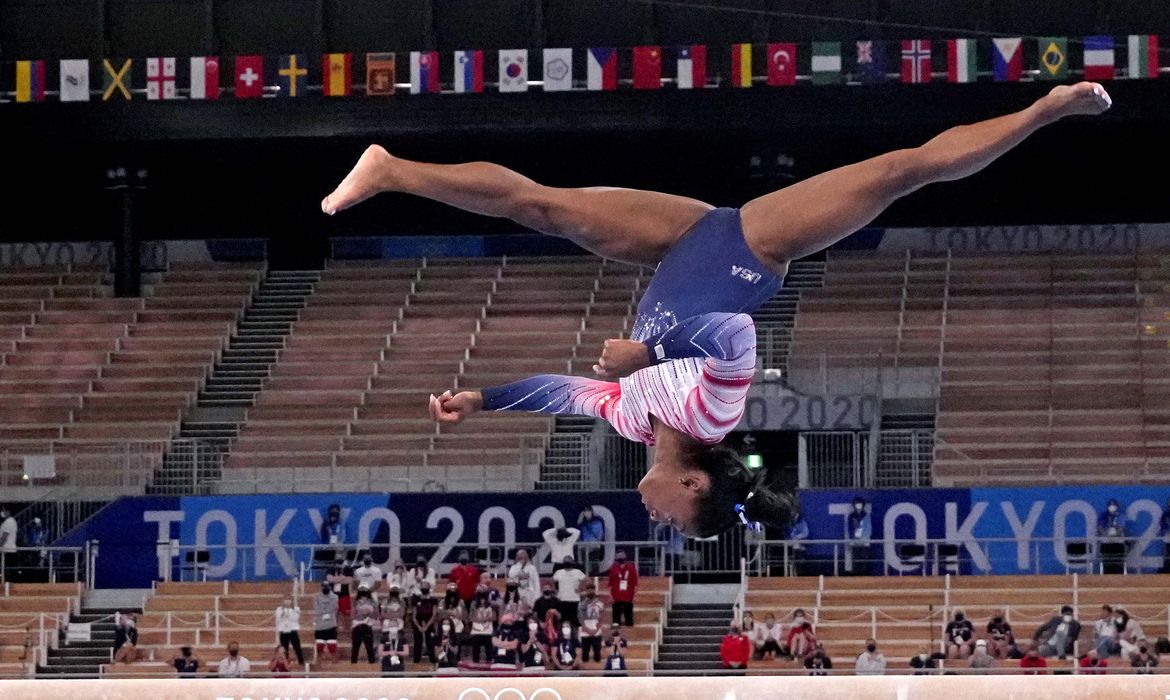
(621, 358)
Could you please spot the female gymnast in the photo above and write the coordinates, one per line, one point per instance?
(683, 376)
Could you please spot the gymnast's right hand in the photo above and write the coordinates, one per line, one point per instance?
(449, 408)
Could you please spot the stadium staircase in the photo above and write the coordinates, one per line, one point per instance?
(691, 638)
(208, 430)
(83, 659)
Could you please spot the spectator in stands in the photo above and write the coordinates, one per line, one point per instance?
(368, 575)
(392, 652)
(560, 541)
(524, 573)
(465, 576)
(859, 532)
(534, 646)
(958, 635)
(394, 613)
(548, 601)
(365, 618)
(447, 652)
(1111, 538)
(818, 663)
(674, 544)
(736, 649)
(615, 651)
(797, 536)
(325, 624)
(1105, 633)
(1129, 632)
(125, 638)
(767, 638)
(924, 661)
(1033, 663)
(565, 646)
(234, 665)
(1057, 636)
(8, 530)
(424, 610)
(623, 586)
(592, 529)
(1092, 664)
(1164, 531)
(589, 612)
(278, 664)
(398, 576)
(870, 662)
(1000, 641)
(452, 613)
(333, 529)
(288, 627)
(483, 625)
(36, 538)
(511, 602)
(981, 659)
(801, 638)
(569, 579)
(1144, 660)
(747, 623)
(186, 663)
(421, 572)
(505, 645)
(340, 576)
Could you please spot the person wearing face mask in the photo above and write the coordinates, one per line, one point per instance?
(767, 639)
(1057, 636)
(392, 653)
(505, 644)
(592, 536)
(394, 614)
(524, 572)
(548, 601)
(512, 602)
(958, 635)
(368, 575)
(735, 650)
(483, 623)
(447, 653)
(570, 580)
(924, 661)
(1111, 538)
(452, 612)
(340, 578)
(859, 532)
(278, 664)
(1145, 659)
(288, 626)
(615, 651)
(1033, 663)
(1129, 632)
(1105, 633)
(398, 576)
(333, 529)
(870, 662)
(1001, 643)
(325, 624)
(801, 637)
(566, 647)
(422, 572)
(980, 659)
(623, 586)
(424, 610)
(817, 662)
(465, 575)
(589, 612)
(365, 617)
(234, 665)
(561, 542)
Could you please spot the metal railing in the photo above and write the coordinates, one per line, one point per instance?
(47, 565)
(126, 465)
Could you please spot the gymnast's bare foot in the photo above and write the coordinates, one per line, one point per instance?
(1068, 100)
(371, 175)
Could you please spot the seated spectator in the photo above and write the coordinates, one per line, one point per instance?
(325, 606)
(801, 639)
(278, 664)
(569, 579)
(1000, 641)
(870, 662)
(547, 601)
(924, 661)
(505, 645)
(447, 653)
(767, 640)
(567, 646)
(817, 662)
(288, 627)
(589, 613)
(747, 623)
(1033, 663)
(615, 651)
(186, 664)
(392, 652)
(483, 626)
(735, 649)
(125, 638)
(958, 636)
(981, 659)
(1057, 636)
(233, 665)
(533, 647)
(1129, 632)
(1105, 633)
(365, 617)
(1092, 664)
(1145, 659)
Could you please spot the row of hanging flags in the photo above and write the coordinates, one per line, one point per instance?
(294, 75)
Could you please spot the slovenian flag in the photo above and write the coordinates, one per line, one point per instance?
(1099, 63)
(469, 71)
(601, 69)
(424, 71)
(30, 81)
(1007, 60)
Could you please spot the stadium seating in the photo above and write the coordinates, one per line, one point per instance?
(28, 611)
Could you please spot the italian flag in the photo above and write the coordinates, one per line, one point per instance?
(962, 66)
(1143, 56)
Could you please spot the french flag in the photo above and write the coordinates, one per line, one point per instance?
(602, 69)
(424, 71)
(469, 71)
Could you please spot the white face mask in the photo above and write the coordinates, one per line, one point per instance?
(566, 631)
(1112, 509)
(532, 626)
(1067, 618)
(923, 657)
(857, 507)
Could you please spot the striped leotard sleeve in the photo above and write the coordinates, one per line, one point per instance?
(557, 394)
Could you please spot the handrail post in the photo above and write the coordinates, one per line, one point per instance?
(873, 622)
(216, 610)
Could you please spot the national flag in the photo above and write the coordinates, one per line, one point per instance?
(116, 79)
(962, 61)
(204, 78)
(692, 67)
(1053, 53)
(741, 65)
(468, 71)
(601, 68)
(424, 71)
(558, 70)
(160, 78)
(826, 62)
(249, 77)
(781, 64)
(1007, 59)
(380, 74)
(1143, 56)
(1099, 63)
(514, 70)
(336, 74)
(871, 61)
(75, 80)
(291, 75)
(916, 61)
(30, 81)
(647, 67)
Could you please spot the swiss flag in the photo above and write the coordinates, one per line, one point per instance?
(647, 67)
(782, 64)
(249, 76)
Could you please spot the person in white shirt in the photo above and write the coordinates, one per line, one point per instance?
(400, 578)
(524, 573)
(368, 575)
(569, 581)
(560, 541)
(234, 665)
(421, 572)
(767, 638)
(288, 626)
(7, 541)
(870, 662)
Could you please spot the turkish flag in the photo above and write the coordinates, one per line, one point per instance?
(249, 76)
(781, 64)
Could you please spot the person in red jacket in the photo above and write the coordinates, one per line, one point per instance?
(623, 583)
(465, 576)
(736, 649)
(1033, 663)
(1091, 663)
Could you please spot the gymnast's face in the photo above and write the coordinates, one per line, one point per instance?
(670, 491)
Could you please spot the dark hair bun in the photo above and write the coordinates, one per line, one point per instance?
(769, 507)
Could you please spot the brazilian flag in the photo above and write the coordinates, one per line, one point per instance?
(1053, 57)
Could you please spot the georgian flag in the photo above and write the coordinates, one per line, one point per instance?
(160, 78)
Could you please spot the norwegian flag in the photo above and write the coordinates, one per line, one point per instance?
(916, 61)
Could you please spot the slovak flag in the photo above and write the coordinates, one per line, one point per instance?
(424, 71)
(469, 71)
(601, 69)
(692, 67)
(1007, 62)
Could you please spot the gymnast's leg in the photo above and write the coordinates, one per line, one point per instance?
(633, 226)
(813, 214)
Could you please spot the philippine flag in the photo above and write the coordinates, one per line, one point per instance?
(469, 71)
(424, 71)
(602, 69)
